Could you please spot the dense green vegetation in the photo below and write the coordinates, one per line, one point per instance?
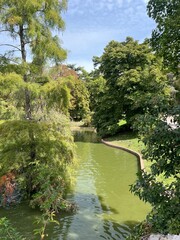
(134, 83)
(7, 231)
(140, 86)
(36, 143)
(79, 102)
(162, 140)
(166, 37)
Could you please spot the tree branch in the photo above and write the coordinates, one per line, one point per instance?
(10, 59)
(7, 30)
(10, 45)
(4, 30)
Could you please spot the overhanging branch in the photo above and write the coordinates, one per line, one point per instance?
(10, 45)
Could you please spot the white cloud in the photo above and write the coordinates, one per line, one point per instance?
(107, 5)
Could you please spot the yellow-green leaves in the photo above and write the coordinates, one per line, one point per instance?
(32, 22)
(40, 146)
(57, 95)
(14, 20)
(10, 83)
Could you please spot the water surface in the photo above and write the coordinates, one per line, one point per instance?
(106, 208)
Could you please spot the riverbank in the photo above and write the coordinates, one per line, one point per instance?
(130, 141)
(80, 126)
(127, 141)
(141, 162)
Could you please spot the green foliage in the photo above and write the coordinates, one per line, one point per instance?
(80, 71)
(166, 37)
(134, 84)
(51, 95)
(96, 88)
(57, 96)
(141, 231)
(52, 151)
(10, 103)
(44, 220)
(7, 231)
(70, 77)
(36, 144)
(161, 187)
(79, 109)
(34, 27)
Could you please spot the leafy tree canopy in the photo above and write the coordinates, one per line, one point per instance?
(134, 84)
(166, 37)
(31, 22)
(79, 103)
(36, 142)
(161, 185)
(161, 134)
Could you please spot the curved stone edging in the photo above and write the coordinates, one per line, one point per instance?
(127, 150)
(163, 237)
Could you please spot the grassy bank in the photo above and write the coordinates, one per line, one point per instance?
(131, 141)
(125, 139)
(80, 126)
(128, 140)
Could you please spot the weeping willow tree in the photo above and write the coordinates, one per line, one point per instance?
(36, 146)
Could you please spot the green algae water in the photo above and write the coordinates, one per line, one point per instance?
(106, 208)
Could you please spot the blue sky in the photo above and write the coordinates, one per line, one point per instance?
(92, 24)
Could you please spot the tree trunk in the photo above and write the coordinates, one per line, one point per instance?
(28, 116)
(27, 93)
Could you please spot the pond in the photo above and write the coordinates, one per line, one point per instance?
(106, 208)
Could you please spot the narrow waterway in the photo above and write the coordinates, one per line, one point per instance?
(106, 208)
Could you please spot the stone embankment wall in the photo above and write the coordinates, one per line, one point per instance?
(163, 237)
(138, 155)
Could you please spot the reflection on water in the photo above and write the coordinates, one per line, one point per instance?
(106, 208)
(83, 136)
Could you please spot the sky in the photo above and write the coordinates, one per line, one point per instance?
(92, 24)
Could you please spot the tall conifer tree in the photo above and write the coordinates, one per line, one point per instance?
(36, 143)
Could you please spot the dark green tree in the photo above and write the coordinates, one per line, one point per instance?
(161, 135)
(161, 185)
(134, 84)
(166, 37)
(96, 87)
